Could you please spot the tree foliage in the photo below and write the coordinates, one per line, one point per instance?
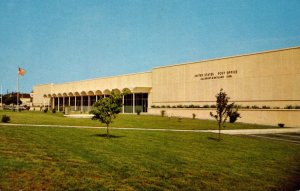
(10, 99)
(106, 109)
(223, 108)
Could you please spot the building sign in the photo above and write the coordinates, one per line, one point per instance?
(216, 75)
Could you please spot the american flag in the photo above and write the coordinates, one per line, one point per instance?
(21, 71)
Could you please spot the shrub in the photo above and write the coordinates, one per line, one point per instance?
(162, 112)
(276, 107)
(53, 110)
(153, 106)
(191, 106)
(297, 107)
(179, 106)
(168, 106)
(280, 124)
(138, 111)
(46, 110)
(254, 107)
(173, 106)
(5, 119)
(233, 115)
(266, 107)
(194, 116)
(206, 106)
(288, 107)
(213, 106)
(163, 106)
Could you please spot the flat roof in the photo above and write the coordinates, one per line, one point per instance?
(228, 57)
(131, 74)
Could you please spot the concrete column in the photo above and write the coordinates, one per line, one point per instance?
(70, 101)
(63, 102)
(81, 104)
(123, 108)
(89, 102)
(96, 98)
(53, 102)
(58, 103)
(133, 104)
(75, 103)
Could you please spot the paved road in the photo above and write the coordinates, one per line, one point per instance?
(230, 132)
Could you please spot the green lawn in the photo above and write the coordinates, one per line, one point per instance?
(129, 120)
(82, 159)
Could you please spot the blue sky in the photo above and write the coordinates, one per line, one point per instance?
(66, 40)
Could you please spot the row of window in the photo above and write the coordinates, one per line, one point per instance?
(140, 100)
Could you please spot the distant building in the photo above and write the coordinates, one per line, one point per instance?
(26, 99)
(266, 79)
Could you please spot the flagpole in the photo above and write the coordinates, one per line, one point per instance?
(1, 98)
(18, 89)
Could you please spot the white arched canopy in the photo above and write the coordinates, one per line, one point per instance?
(90, 93)
(106, 92)
(98, 92)
(117, 91)
(83, 93)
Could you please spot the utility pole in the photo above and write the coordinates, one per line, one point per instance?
(1, 98)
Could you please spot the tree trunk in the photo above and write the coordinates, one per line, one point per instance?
(219, 132)
(107, 131)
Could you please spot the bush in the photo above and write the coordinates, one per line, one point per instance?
(5, 119)
(138, 111)
(276, 107)
(162, 112)
(54, 110)
(194, 116)
(266, 107)
(254, 107)
(213, 106)
(280, 124)
(191, 106)
(288, 107)
(179, 106)
(46, 110)
(153, 106)
(297, 107)
(233, 115)
(206, 106)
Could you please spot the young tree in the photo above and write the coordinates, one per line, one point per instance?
(223, 109)
(106, 109)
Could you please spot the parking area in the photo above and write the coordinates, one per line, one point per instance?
(283, 137)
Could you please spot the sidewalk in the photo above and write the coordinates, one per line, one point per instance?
(229, 132)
